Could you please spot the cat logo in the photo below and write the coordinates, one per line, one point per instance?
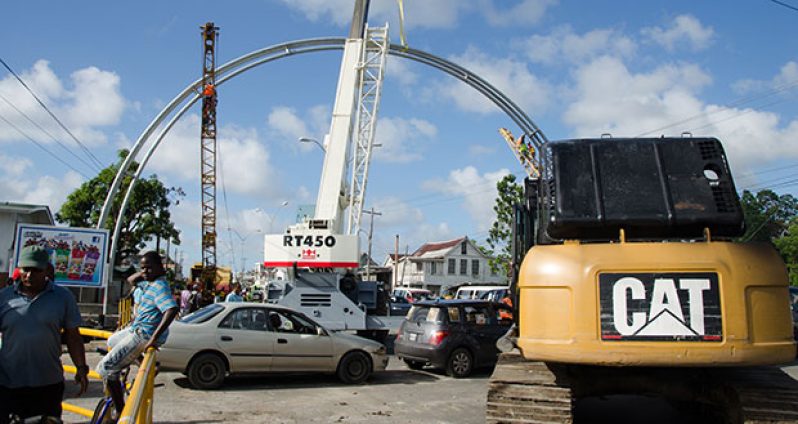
(660, 307)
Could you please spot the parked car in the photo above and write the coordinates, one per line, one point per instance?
(412, 295)
(494, 293)
(239, 337)
(399, 306)
(455, 335)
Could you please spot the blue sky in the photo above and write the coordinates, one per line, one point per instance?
(578, 69)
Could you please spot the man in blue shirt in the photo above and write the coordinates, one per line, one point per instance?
(33, 312)
(235, 294)
(156, 309)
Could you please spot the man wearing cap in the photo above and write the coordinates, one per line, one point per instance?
(33, 312)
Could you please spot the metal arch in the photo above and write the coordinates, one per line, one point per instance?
(268, 54)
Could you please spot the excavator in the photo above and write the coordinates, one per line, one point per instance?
(627, 280)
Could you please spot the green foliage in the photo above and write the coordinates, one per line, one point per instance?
(501, 232)
(147, 215)
(772, 218)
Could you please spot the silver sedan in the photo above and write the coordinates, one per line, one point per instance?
(239, 338)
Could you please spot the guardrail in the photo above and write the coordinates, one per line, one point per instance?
(139, 404)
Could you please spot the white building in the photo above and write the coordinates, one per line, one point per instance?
(443, 264)
(12, 214)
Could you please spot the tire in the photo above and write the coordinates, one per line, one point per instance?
(414, 365)
(460, 363)
(102, 413)
(206, 371)
(354, 368)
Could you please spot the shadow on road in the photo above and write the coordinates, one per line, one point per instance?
(304, 381)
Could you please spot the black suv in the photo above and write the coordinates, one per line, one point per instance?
(454, 335)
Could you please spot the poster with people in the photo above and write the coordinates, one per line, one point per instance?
(78, 255)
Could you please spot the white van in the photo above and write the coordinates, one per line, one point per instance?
(492, 293)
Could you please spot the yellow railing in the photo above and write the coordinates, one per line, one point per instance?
(125, 311)
(139, 404)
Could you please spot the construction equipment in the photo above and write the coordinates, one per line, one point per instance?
(320, 253)
(208, 156)
(523, 151)
(627, 281)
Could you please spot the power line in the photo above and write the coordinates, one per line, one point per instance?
(226, 210)
(42, 147)
(90, 165)
(785, 5)
(61, 124)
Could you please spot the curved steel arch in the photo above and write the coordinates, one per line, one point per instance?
(190, 95)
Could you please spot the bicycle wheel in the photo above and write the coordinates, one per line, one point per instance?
(103, 412)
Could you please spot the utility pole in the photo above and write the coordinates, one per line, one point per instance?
(371, 232)
(208, 155)
(395, 262)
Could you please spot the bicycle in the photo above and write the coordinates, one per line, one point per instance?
(39, 419)
(105, 411)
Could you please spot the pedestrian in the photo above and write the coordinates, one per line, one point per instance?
(185, 300)
(235, 294)
(155, 310)
(33, 312)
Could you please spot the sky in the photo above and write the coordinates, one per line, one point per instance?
(577, 69)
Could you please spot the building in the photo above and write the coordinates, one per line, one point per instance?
(437, 265)
(12, 214)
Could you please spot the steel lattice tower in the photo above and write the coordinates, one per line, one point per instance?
(208, 155)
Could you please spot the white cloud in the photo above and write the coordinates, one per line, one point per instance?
(395, 212)
(18, 183)
(785, 80)
(244, 165)
(525, 12)
(506, 74)
(564, 45)
(93, 102)
(685, 29)
(474, 189)
(611, 99)
(403, 140)
(418, 14)
(480, 150)
(290, 126)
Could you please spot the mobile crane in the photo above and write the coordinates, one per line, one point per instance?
(320, 253)
(627, 280)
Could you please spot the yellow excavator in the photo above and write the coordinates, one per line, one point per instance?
(627, 281)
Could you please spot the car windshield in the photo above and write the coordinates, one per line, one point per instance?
(426, 314)
(203, 314)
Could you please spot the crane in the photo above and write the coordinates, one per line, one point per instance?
(328, 243)
(208, 155)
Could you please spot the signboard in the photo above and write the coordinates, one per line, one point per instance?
(315, 249)
(678, 306)
(79, 255)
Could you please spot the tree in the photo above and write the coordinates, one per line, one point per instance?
(772, 218)
(147, 215)
(767, 215)
(501, 232)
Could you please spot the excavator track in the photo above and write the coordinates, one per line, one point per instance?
(524, 391)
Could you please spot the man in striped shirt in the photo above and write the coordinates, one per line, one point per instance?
(156, 309)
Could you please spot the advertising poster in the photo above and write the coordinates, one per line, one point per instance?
(77, 254)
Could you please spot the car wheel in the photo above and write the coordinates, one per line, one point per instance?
(414, 365)
(460, 363)
(206, 371)
(354, 368)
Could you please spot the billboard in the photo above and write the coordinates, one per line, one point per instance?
(79, 255)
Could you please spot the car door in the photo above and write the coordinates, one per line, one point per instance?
(478, 321)
(297, 344)
(244, 336)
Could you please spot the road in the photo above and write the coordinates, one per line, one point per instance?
(398, 395)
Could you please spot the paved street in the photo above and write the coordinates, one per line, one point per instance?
(399, 395)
